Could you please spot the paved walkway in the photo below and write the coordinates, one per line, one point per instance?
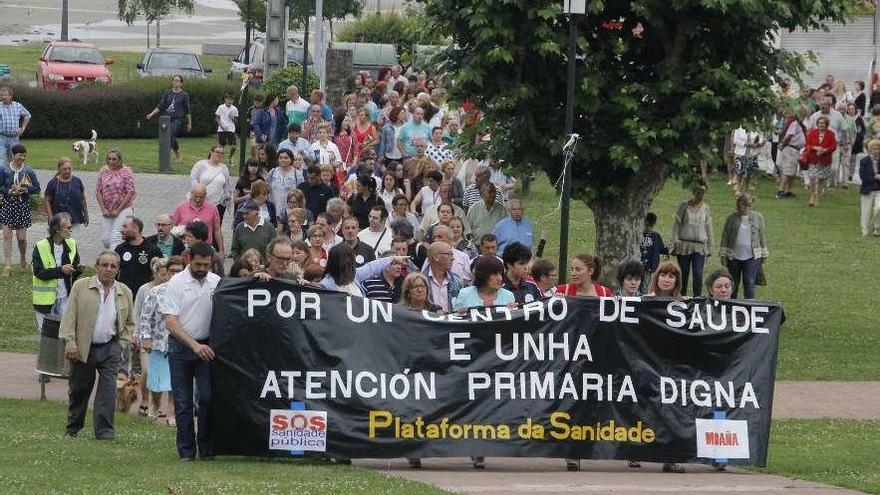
(508, 476)
(156, 193)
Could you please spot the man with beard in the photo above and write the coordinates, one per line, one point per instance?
(187, 313)
(363, 253)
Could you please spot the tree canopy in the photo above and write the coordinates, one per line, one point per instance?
(151, 10)
(300, 11)
(659, 83)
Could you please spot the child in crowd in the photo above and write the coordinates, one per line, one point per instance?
(652, 247)
(630, 275)
(225, 116)
(516, 259)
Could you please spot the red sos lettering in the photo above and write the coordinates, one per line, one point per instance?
(298, 422)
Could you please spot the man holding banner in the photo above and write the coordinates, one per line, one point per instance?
(187, 311)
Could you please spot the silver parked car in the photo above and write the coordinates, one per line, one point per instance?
(258, 59)
(169, 61)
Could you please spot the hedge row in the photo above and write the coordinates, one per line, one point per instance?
(116, 111)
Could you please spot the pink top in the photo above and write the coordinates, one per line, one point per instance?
(114, 186)
(207, 214)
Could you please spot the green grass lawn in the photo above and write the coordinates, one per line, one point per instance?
(820, 268)
(142, 155)
(38, 460)
(837, 452)
(22, 59)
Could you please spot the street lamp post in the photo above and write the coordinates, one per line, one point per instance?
(570, 8)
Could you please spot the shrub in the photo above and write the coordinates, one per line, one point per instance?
(292, 75)
(116, 111)
(402, 30)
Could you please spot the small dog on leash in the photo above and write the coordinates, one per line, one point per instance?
(126, 391)
(85, 149)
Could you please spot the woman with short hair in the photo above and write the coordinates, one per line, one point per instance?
(719, 285)
(340, 273)
(65, 193)
(17, 182)
(869, 173)
(545, 275)
(819, 149)
(743, 246)
(487, 290)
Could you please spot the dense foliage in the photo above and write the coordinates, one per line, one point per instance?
(659, 84)
(279, 81)
(116, 111)
(403, 30)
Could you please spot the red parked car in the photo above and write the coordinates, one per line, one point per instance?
(68, 65)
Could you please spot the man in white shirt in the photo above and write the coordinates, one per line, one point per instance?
(297, 108)
(187, 311)
(377, 235)
(96, 326)
(225, 116)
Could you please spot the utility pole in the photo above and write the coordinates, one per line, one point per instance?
(64, 20)
(319, 41)
(571, 8)
(243, 117)
(305, 65)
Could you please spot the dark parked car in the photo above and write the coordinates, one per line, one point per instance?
(170, 61)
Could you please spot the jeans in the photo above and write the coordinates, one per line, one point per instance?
(105, 360)
(111, 233)
(185, 365)
(175, 127)
(745, 271)
(687, 262)
(6, 144)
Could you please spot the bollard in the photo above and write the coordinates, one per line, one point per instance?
(164, 144)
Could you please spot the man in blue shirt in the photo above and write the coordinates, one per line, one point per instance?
(515, 227)
(411, 130)
(295, 143)
(14, 119)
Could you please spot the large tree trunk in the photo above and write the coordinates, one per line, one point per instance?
(619, 223)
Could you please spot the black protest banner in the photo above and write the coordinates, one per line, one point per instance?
(313, 372)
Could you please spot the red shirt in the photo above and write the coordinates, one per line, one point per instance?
(572, 290)
(828, 141)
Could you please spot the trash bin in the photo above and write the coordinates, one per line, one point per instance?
(51, 360)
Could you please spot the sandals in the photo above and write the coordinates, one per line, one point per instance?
(671, 467)
(143, 410)
(572, 465)
(633, 464)
(7, 271)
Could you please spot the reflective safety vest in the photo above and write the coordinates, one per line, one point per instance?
(44, 291)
